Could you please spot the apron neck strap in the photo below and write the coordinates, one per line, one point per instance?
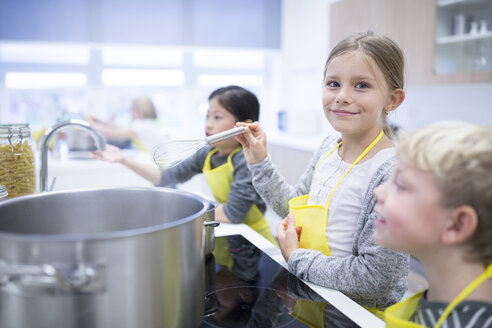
(328, 154)
(361, 156)
(487, 274)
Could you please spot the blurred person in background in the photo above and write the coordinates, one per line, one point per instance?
(144, 132)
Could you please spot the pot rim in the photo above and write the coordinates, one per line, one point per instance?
(103, 235)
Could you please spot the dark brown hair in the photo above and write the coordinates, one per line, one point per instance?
(238, 101)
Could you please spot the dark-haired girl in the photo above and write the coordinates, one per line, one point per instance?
(223, 163)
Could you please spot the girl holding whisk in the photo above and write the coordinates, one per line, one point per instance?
(327, 238)
(223, 163)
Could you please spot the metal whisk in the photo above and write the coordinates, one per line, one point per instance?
(169, 154)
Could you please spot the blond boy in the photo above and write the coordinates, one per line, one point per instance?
(438, 207)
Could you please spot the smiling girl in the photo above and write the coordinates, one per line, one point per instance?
(327, 238)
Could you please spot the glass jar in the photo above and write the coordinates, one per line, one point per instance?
(16, 159)
(3, 193)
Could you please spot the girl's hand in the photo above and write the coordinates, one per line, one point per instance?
(112, 154)
(93, 121)
(288, 236)
(253, 141)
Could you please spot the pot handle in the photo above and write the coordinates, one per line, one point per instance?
(213, 205)
(80, 278)
(212, 224)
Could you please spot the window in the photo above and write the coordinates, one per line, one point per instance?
(140, 77)
(44, 53)
(44, 80)
(47, 82)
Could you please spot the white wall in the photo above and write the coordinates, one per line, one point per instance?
(427, 104)
(305, 47)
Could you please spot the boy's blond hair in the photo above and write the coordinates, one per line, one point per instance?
(459, 156)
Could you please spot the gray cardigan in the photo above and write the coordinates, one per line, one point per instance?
(373, 276)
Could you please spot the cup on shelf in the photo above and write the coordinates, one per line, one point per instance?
(474, 28)
(459, 24)
(483, 27)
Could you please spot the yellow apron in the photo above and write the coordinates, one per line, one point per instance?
(397, 316)
(139, 145)
(312, 219)
(220, 180)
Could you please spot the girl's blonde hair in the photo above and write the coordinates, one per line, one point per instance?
(459, 156)
(383, 51)
(143, 107)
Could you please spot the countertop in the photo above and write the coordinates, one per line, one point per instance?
(79, 170)
(347, 306)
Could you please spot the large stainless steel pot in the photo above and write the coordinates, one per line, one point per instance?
(102, 258)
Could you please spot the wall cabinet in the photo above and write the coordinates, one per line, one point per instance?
(463, 36)
(436, 47)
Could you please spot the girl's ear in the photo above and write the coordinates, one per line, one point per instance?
(462, 224)
(396, 98)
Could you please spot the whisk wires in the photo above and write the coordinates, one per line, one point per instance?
(169, 154)
(172, 153)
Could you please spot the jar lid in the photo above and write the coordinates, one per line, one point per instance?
(14, 126)
(15, 130)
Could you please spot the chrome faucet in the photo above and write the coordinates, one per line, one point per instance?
(43, 145)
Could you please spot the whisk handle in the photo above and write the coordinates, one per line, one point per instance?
(225, 135)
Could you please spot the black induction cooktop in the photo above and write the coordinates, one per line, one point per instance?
(246, 288)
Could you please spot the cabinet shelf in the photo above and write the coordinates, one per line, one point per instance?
(462, 38)
(444, 3)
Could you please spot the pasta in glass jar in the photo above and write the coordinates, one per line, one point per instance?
(16, 159)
